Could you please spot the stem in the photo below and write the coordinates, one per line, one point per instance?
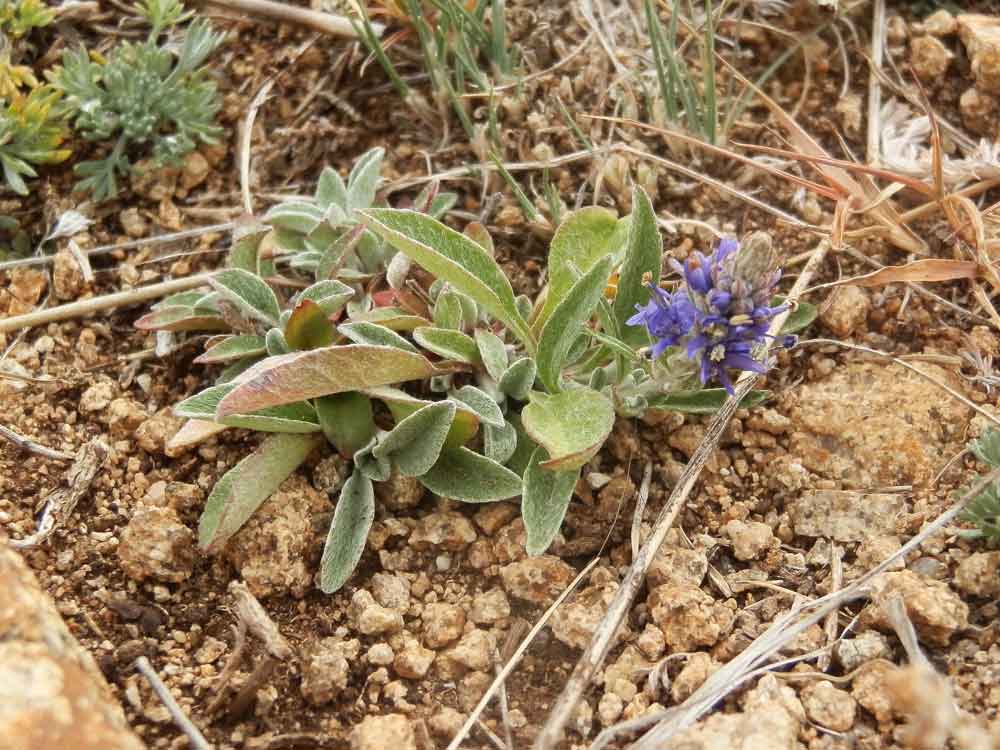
(328, 23)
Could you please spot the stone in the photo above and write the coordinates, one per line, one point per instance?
(538, 580)
(609, 709)
(446, 723)
(869, 424)
(699, 667)
(981, 36)
(677, 565)
(133, 223)
(26, 286)
(751, 539)
(156, 545)
(124, 416)
(399, 492)
(847, 311)
(384, 732)
(689, 617)
(443, 624)
(929, 58)
(491, 517)
(509, 542)
(472, 687)
(575, 621)
(68, 281)
(845, 516)
(372, 618)
(448, 531)
(474, 650)
(862, 648)
(154, 432)
(325, 669)
(381, 655)
(979, 111)
(936, 611)
(489, 607)
(194, 171)
(97, 397)
(829, 706)
(413, 660)
(877, 548)
(870, 689)
(979, 574)
(391, 591)
(940, 23)
(770, 720)
(651, 642)
(209, 651)
(277, 550)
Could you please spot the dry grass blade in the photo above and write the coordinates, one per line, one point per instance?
(928, 269)
(603, 637)
(31, 446)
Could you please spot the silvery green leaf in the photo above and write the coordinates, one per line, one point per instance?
(249, 292)
(566, 321)
(182, 299)
(275, 342)
(299, 417)
(329, 294)
(243, 253)
(331, 190)
(455, 258)
(544, 502)
(297, 216)
(398, 270)
(485, 407)
(801, 317)
(346, 420)
(352, 519)
(415, 443)
(335, 256)
(517, 381)
(464, 475)
(232, 348)
(447, 343)
(308, 327)
(364, 178)
(448, 311)
(987, 447)
(499, 443)
(572, 425)
(242, 489)
(493, 352)
(374, 334)
(376, 469)
(643, 255)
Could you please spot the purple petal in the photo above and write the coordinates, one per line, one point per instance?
(743, 362)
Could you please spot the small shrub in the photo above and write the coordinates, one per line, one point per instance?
(984, 510)
(19, 17)
(31, 133)
(153, 94)
(508, 396)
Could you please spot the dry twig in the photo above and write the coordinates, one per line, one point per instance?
(31, 446)
(328, 23)
(198, 741)
(259, 623)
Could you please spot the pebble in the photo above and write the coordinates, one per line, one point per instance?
(751, 539)
(443, 624)
(847, 311)
(936, 611)
(380, 654)
(399, 492)
(677, 565)
(699, 667)
(489, 607)
(413, 661)
(844, 515)
(325, 670)
(474, 650)
(154, 433)
(609, 709)
(651, 642)
(491, 517)
(124, 416)
(538, 580)
(689, 617)
(929, 58)
(446, 723)
(981, 36)
(575, 621)
(373, 618)
(864, 647)
(448, 531)
(869, 688)
(97, 397)
(940, 23)
(155, 544)
(391, 591)
(979, 574)
(829, 706)
(210, 650)
(384, 732)
(68, 282)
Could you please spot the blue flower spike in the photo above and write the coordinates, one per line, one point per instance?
(720, 312)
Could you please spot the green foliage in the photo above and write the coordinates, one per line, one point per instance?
(983, 511)
(18, 17)
(31, 133)
(506, 407)
(157, 95)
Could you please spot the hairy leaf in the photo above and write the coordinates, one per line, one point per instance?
(402, 404)
(492, 352)
(447, 343)
(798, 319)
(321, 372)
(545, 500)
(571, 425)
(516, 382)
(415, 443)
(179, 318)
(707, 401)
(331, 190)
(232, 348)
(346, 420)
(362, 182)
(499, 443)
(249, 292)
(394, 318)
(301, 217)
(329, 294)
(371, 333)
(298, 417)
(242, 489)
(352, 519)
(643, 254)
(480, 402)
(464, 475)
(308, 327)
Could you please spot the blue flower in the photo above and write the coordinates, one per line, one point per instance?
(721, 311)
(667, 317)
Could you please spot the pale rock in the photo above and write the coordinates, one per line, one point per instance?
(446, 723)
(981, 36)
(699, 667)
(677, 565)
(97, 397)
(380, 654)
(751, 539)
(26, 286)
(391, 591)
(449, 531)
(491, 517)
(844, 515)
(847, 311)
(372, 618)
(154, 433)
(978, 110)
(862, 648)
(877, 548)
(474, 650)
(624, 689)
(393, 731)
(325, 670)
(509, 542)
(209, 651)
(413, 660)
(575, 621)
(68, 281)
(940, 23)
(443, 624)
(979, 574)
(936, 611)
(872, 424)
(582, 719)
(829, 706)
(609, 709)
(472, 687)
(850, 109)
(480, 555)
(194, 171)
(630, 666)
(870, 689)
(489, 607)
(538, 580)
(651, 642)
(929, 58)
(133, 223)
(156, 545)
(689, 617)
(125, 416)
(277, 550)
(399, 492)
(769, 421)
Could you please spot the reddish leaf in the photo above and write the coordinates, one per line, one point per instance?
(308, 327)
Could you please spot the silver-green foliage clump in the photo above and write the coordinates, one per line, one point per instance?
(983, 511)
(156, 94)
(505, 396)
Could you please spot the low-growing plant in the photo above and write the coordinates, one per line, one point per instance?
(18, 17)
(157, 94)
(984, 510)
(506, 397)
(31, 134)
